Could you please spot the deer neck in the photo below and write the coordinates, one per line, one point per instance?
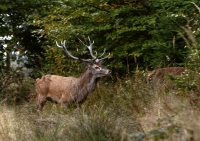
(87, 81)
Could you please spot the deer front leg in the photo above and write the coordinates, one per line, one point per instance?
(41, 101)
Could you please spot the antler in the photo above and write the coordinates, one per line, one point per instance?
(97, 59)
(89, 47)
(102, 55)
(66, 51)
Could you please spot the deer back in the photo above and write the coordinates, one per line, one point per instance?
(56, 87)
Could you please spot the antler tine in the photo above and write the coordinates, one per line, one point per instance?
(59, 45)
(97, 60)
(89, 47)
(65, 50)
(104, 51)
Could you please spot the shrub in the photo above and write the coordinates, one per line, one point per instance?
(15, 88)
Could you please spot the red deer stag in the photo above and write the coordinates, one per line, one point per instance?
(71, 90)
(158, 76)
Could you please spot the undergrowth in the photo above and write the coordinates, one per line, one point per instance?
(118, 110)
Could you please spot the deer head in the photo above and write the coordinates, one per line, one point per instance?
(94, 64)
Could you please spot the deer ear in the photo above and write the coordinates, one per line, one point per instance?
(87, 64)
(99, 62)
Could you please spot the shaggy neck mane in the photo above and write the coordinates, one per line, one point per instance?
(87, 81)
(86, 84)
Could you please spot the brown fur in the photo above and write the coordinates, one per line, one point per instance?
(69, 90)
(159, 75)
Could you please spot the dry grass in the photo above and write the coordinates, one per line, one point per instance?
(14, 127)
(171, 112)
(127, 109)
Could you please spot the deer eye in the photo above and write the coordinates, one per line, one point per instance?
(96, 67)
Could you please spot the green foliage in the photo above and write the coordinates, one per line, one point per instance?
(145, 34)
(20, 38)
(186, 81)
(59, 63)
(138, 34)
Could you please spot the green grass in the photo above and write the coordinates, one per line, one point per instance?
(121, 110)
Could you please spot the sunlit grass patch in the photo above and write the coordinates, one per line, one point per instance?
(13, 127)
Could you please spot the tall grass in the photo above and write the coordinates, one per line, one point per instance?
(118, 110)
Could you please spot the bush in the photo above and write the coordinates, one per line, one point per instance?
(15, 88)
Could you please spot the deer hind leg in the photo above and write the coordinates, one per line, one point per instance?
(63, 103)
(41, 101)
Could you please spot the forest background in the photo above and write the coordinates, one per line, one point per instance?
(139, 34)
